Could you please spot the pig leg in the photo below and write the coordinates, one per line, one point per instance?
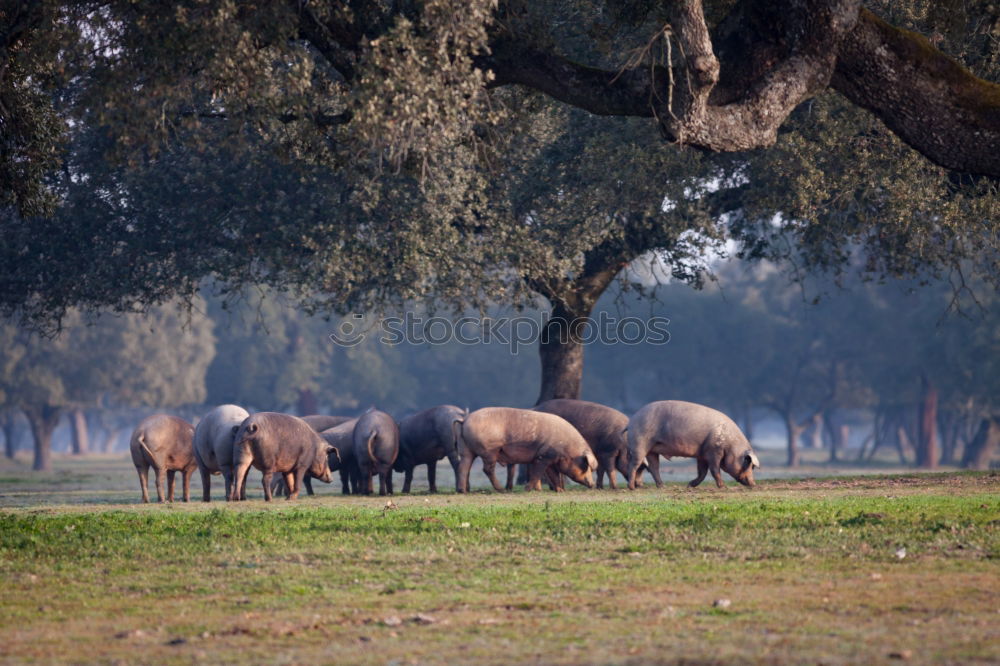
(307, 480)
(143, 473)
(358, 481)
(170, 484)
(634, 464)
(159, 484)
(606, 465)
(408, 478)
(716, 470)
(553, 476)
(298, 478)
(229, 476)
(187, 484)
(536, 470)
(241, 470)
(454, 461)
(511, 475)
(388, 480)
(268, 476)
(366, 476)
(345, 482)
(462, 473)
(653, 460)
(431, 474)
(702, 471)
(490, 470)
(206, 485)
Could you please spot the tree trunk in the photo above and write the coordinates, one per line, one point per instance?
(903, 444)
(43, 420)
(950, 424)
(9, 436)
(927, 444)
(839, 435)
(560, 349)
(816, 434)
(110, 440)
(307, 403)
(78, 427)
(794, 431)
(979, 451)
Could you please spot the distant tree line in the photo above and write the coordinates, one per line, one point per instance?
(872, 359)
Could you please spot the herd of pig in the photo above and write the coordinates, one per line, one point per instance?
(557, 438)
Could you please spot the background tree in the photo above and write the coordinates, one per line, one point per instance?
(153, 360)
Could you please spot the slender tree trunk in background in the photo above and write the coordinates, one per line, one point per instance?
(816, 434)
(307, 403)
(838, 434)
(43, 420)
(903, 443)
(927, 444)
(980, 450)
(561, 352)
(794, 431)
(950, 425)
(877, 437)
(78, 428)
(110, 440)
(9, 436)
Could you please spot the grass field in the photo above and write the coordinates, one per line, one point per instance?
(811, 569)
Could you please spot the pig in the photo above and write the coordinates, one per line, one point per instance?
(341, 438)
(425, 438)
(321, 422)
(603, 429)
(213, 447)
(164, 443)
(685, 429)
(376, 447)
(516, 436)
(281, 443)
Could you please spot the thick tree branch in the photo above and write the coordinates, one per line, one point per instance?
(922, 95)
(773, 57)
(335, 38)
(599, 91)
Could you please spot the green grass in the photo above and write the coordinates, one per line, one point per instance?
(810, 567)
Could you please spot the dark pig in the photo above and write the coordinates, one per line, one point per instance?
(425, 438)
(376, 446)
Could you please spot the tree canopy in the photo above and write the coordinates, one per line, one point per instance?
(365, 153)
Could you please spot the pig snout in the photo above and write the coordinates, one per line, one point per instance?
(325, 477)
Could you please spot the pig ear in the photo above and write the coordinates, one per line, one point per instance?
(252, 428)
(332, 449)
(583, 463)
(750, 461)
(753, 459)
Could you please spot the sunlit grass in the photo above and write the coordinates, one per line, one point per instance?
(812, 570)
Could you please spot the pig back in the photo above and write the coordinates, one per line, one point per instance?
(601, 426)
(385, 446)
(685, 426)
(341, 437)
